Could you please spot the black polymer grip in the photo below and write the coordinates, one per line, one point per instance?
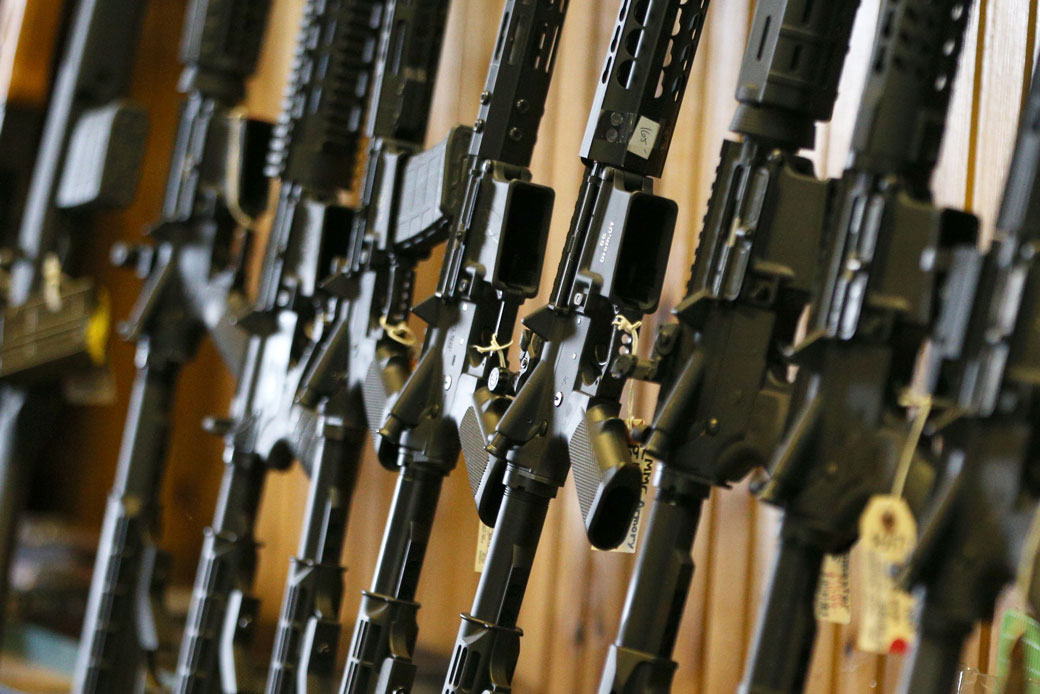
(641, 90)
(406, 72)
(522, 65)
(320, 128)
(902, 116)
(221, 45)
(794, 60)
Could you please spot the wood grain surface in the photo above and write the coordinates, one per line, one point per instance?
(575, 595)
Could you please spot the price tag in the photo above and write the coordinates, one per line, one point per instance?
(644, 138)
(646, 466)
(1027, 581)
(888, 532)
(483, 546)
(833, 594)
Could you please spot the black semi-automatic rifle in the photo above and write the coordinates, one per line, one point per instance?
(194, 285)
(886, 252)
(567, 400)
(361, 359)
(27, 46)
(723, 375)
(986, 403)
(313, 152)
(496, 243)
(54, 325)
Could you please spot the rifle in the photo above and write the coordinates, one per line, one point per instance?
(313, 153)
(886, 253)
(567, 400)
(496, 226)
(193, 287)
(975, 526)
(360, 359)
(55, 326)
(723, 376)
(27, 47)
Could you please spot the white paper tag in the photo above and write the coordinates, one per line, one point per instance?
(833, 594)
(888, 532)
(1026, 581)
(646, 466)
(483, 546)
(644, 138)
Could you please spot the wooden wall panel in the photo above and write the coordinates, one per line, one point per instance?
(575, 594)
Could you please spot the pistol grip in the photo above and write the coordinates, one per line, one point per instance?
(486, 471)
(386, 377)
(607, 480)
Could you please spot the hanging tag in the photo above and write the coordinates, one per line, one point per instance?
(483, 546)
(646, 467)
(644, 139)
(833, 602)
(1027, 580)
(888, 533)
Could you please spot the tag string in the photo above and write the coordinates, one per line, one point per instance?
(632, 330)
(923, 403)
(399, 333)
(495, 348)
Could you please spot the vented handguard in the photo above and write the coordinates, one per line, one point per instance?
(221, 46)
(323, 113)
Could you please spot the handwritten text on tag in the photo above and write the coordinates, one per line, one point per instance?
(888, 532)
(644, 139)
(833, 601)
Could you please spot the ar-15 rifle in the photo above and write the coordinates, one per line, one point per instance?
(567, 402)
(986, 408)
(498, 228)
(89, 158)
(313, 152)
(886, 251)
(724, 384)
(361, 360)
(193, 287)
(28, 43)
